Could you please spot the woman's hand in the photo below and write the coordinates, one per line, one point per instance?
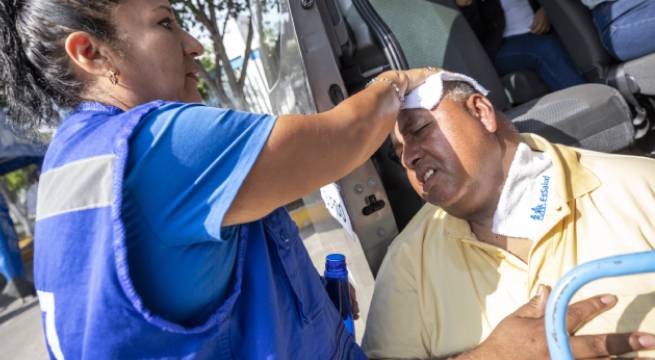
(354, 305)
(416, 77)
(540, 24)
(408, 80)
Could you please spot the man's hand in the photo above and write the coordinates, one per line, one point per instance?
(521, 335)
(463, 3)
(540, 24)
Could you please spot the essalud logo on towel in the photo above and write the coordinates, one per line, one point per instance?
(539, 211)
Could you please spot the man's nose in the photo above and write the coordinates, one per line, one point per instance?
(411, 157)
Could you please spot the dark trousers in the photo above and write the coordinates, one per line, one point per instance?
(542, 54)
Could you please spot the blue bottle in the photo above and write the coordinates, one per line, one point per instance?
(336, 284)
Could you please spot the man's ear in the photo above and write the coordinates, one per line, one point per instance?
(84, 50)
(481, 108)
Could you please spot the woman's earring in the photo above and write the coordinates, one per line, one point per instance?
(113, 77)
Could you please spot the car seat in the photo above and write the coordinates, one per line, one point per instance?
(635, 79)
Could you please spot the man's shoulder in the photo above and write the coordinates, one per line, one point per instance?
(624, 168)
(610, 169)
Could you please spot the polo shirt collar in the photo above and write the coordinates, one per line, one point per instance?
(573, 180)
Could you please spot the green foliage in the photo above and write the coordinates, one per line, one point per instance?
(21, 178)
(208, 20)
(208, 15)
(207, 62)
(223, 82)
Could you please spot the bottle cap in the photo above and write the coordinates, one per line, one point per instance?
(335, 266)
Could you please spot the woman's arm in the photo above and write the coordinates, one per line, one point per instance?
(305, 152)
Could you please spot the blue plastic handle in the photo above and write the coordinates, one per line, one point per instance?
(568, 285)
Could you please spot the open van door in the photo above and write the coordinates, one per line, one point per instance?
(297, 72)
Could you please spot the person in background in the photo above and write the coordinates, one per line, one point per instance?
(626, 27)
(505, 213)
(516, 35)
(11, 263)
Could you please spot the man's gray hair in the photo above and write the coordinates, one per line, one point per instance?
(458, 91)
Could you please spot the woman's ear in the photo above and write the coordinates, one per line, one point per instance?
(84, 51)
(481, 108)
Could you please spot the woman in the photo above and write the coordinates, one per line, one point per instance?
(160, 231)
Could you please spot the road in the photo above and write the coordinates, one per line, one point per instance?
(20, 328)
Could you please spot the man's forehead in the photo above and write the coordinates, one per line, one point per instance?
(408, 117)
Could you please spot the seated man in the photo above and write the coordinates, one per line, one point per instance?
(626, 27)
(505, 213)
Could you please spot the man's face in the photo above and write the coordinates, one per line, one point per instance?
(452, 159)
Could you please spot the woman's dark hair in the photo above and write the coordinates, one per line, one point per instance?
(37, 76)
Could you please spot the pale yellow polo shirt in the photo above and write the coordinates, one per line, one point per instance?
(441, 291)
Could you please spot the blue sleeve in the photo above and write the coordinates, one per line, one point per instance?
(186, 165)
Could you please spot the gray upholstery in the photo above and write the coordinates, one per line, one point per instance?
(523, 86)
(580, 37)
(601, 118)
(434, 33)
(642, 70)
(591, 58)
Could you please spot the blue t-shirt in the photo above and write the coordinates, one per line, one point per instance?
(185, 166)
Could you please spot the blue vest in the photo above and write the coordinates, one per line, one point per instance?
(276, 307)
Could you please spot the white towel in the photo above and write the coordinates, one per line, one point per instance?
(429, 94)
(525, 199)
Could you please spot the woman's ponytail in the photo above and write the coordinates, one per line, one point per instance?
(37, 78)
(23, 89)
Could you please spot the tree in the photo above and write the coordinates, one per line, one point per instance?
(220, 79)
